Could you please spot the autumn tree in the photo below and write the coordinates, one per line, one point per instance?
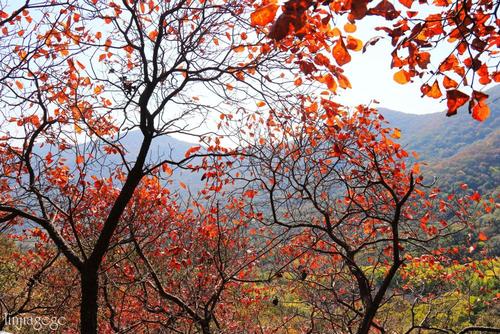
(185, 264)
(76, 79)
(361, 211)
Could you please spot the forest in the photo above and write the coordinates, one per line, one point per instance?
(192, 167)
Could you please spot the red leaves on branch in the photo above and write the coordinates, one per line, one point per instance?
(470, 30)
(192, 150)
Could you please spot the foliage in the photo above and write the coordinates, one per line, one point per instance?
(311, 193)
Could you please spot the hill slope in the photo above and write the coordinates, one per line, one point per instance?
(458, 149)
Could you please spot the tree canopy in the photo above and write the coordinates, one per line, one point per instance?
(303, 201)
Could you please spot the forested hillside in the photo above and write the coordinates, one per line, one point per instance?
(457, 149)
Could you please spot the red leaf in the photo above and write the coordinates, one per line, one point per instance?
(340, 53)
(449, 83)
(481, 111)
(385, 9)
(407, 3)
(475, 197)
(250, 193)
(456, 99)
(359, 9)
(192, 150)
(281, 27)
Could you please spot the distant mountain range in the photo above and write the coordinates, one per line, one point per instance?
(458, 149)
(455, 149)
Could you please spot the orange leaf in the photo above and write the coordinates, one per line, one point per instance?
(340, 53)
(166, 168)
(496, 76)
(354, 44)
(449, 83)
(349, 27)
(433, 91)
(19, 84)
(260, 104)
(330, 82)
(343, 81)
(423, 59)
(396, 134)
(183, 185)
(264, 15)
(239, 48)
(407, 3)
(481, 111)
(402, 77)
(153, 34)
(482, 236)
(250, 193)
(192, 150)
(79, 159)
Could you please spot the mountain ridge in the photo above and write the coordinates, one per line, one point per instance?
(457, 149)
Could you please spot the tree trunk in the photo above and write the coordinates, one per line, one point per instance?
(88, 307)
(205, 327)
(365, 326)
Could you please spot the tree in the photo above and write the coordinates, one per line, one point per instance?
(361, 211)
(77, 78)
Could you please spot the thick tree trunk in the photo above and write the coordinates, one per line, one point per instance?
(88, 307)
(372, 309)
(365, 326)
(205, 327)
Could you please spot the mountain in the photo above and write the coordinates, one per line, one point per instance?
(163, 147)
(166, 147)
(458, 149)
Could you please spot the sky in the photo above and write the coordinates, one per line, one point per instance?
(371, 79)
(371, 75)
